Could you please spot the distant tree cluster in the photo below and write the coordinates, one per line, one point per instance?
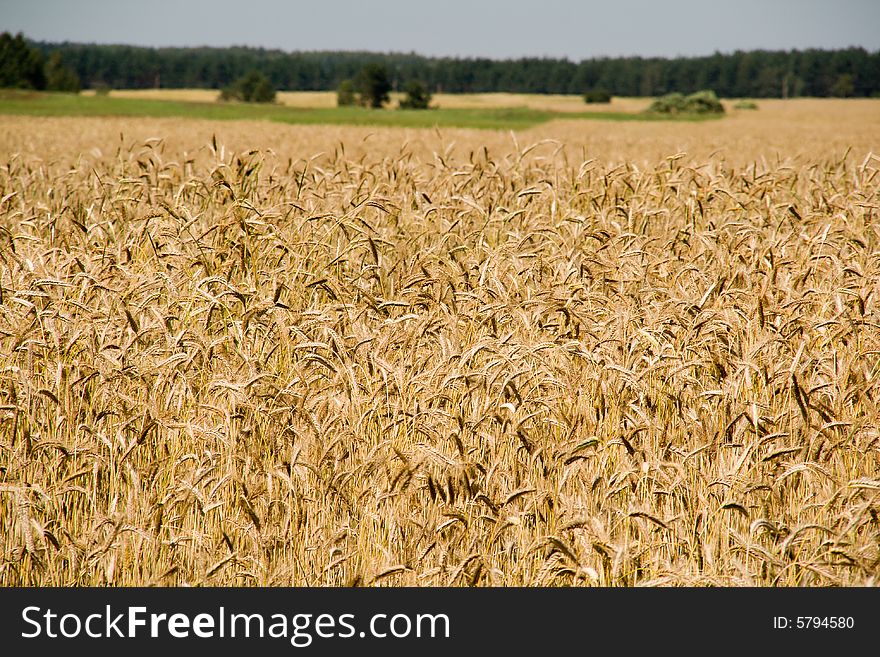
(20, 65)
(58, 76)
(24, 67)
(371, 88)
(251, 88)
(753, 74)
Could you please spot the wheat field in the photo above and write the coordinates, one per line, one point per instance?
(585, 354)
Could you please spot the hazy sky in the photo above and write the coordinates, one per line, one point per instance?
(486, 28)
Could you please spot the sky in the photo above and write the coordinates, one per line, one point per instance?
(499, 29)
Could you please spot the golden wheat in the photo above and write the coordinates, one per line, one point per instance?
(334, 356)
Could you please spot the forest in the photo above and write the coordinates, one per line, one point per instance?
(757, 74)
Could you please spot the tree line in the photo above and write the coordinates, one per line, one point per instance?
(758, 74)
(24, 67)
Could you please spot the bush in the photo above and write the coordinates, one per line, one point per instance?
(101, 88)
(701, 102)
(345, 94)
(669, 104)
(252, 88)
(704, 102)
(746, 105)
(597, 96)
(417, 96)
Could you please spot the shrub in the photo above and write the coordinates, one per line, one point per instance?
(669, 104)
(597, 96)
(746, 105)
(252, 88)
(701, 102)
(417, 96)
(345, 94)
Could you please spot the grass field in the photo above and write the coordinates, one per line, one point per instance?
(582, 353)
(511, 113)
(327, 100)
